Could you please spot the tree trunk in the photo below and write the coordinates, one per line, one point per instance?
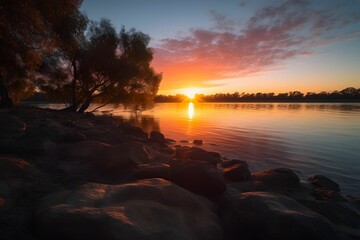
(6, 101)
(86, 104)
(73, 95)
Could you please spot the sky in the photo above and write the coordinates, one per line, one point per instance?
(252, 46)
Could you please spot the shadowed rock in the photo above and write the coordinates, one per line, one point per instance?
(198, 142)
(106, 158)
(324, 182)
(21, 185)
(263, 215)
(230, 163)
(237, 172)
(199, 177)
(153, 170)
(134, 131)
(278, 176)
(197, 154)
(157, 137)
(147, 209)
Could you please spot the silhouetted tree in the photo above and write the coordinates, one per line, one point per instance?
(347, 94)
(105, 67)
(28, 30)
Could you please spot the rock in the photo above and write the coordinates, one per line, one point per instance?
(249, 186)
(10, 125)
(83, 124)
(134, 131)
(324, 182)
(9, 146)
(237, 172)
(197, 142)
(147, 209)
(107, 159)
(125, 155)
(322, 193)
(170, 141)
(230, 163)
(282, 177)
(21, 185)
(184, 141)
(153, 170)
(72, 135)
(263, 215)
(197, 154)
(337, 213)
(199, 177)
(157, 137)
(84, 150)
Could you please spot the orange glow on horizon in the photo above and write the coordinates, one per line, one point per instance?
(190, 92)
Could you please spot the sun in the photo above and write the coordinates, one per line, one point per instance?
(190, 92)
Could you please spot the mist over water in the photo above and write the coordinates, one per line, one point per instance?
(310, 138)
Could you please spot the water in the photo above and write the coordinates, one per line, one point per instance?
(310, 138)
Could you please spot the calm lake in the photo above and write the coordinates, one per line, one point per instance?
(310, 138)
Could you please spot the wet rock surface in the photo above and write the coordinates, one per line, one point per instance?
(79, 176)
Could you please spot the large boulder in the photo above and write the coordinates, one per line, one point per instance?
(146, 209)
(341, 213)
(153, 170)
(134, 131)
(199, 177)
(157, 137)
(107, 158)
(263, 215)
(21, 185)
(11, 125)
(124, 155)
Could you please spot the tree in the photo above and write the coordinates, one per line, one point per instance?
(28, 30)
(110, 68)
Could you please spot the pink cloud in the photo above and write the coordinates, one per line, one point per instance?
(271, 37)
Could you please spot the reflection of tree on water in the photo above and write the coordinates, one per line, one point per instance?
(147, 122)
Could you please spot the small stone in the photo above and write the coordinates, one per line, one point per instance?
(197, 142)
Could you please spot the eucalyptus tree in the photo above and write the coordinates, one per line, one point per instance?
(110, 67)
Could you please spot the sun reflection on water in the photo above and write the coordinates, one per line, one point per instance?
(191, 111)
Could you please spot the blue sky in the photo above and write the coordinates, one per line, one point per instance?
(245, 46)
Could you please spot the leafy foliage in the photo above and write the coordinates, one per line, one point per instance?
(29, 30)
(107, 67)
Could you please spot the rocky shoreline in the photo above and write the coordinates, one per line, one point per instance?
(79, 176)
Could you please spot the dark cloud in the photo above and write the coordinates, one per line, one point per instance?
(271, 36)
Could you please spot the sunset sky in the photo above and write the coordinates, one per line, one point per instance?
(245, 46)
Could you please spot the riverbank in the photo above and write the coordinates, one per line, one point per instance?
(80, 176)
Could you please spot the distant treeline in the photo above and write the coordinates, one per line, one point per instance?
(345, 95)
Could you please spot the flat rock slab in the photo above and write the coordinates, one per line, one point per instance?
(146, 209)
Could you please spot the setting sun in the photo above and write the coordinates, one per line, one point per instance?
(190, 92)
